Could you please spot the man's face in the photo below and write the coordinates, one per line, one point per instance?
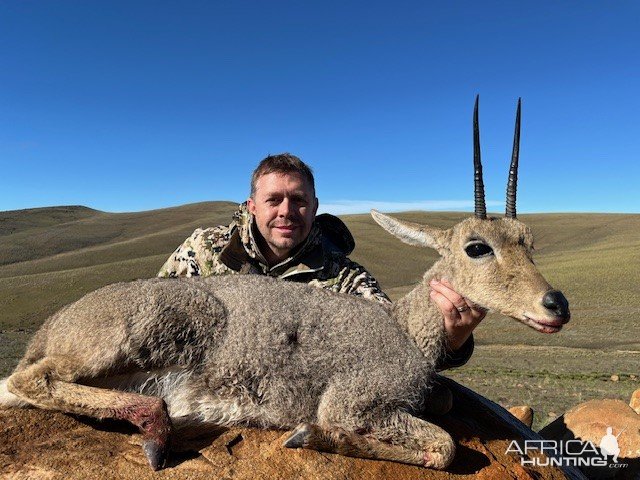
(284, 207)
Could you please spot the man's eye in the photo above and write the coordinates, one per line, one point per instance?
(476, 250)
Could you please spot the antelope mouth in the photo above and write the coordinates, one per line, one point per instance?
(544, 326)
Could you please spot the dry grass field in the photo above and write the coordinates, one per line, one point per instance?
(52, 256)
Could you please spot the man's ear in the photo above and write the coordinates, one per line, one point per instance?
(315, 206)
(414, 233)
(251, 206)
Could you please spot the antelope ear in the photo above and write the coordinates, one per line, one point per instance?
(413, 233)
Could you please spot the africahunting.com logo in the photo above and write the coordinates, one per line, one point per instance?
(565, 453)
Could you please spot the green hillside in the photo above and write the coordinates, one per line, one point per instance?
(15, 221)
(52, 256)
(47, 267)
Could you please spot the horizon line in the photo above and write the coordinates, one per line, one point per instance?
(354, 207)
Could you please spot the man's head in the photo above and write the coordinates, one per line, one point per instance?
(284, 204)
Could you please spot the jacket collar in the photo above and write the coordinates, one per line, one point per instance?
(242, 254)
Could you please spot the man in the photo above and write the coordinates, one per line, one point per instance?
(277, 233)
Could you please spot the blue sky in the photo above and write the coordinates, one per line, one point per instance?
(126, 106)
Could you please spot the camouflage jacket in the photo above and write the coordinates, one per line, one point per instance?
(320, 261)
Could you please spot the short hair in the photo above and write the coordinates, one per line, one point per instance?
(282, 163)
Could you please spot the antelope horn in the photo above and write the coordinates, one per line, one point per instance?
(480, 207)
(512, 183)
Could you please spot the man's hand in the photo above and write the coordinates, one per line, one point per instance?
(460, 318)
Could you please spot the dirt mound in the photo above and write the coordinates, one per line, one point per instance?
(50, 445)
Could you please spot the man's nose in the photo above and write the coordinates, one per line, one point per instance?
(284, 209)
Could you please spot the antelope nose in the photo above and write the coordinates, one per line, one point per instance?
(555, 301)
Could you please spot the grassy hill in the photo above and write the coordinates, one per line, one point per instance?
(15, 221)
(45, 267)
(52, 256)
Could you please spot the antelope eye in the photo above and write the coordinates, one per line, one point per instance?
(476, 250)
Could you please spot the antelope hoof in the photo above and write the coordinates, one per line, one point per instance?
(156, 452)
(298, 437)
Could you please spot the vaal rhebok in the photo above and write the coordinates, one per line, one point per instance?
(346, 374)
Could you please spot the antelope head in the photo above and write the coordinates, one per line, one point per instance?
(489, 260)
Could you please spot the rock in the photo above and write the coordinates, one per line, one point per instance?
(635, 401)
(615, 378)
(523, 413)
(589, 421)
(42, 444)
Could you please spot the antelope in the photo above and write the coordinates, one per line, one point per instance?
(348, 375)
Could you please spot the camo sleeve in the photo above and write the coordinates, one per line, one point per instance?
(352, 278)
(199, 254)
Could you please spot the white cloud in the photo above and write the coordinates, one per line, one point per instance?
(340, 207)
